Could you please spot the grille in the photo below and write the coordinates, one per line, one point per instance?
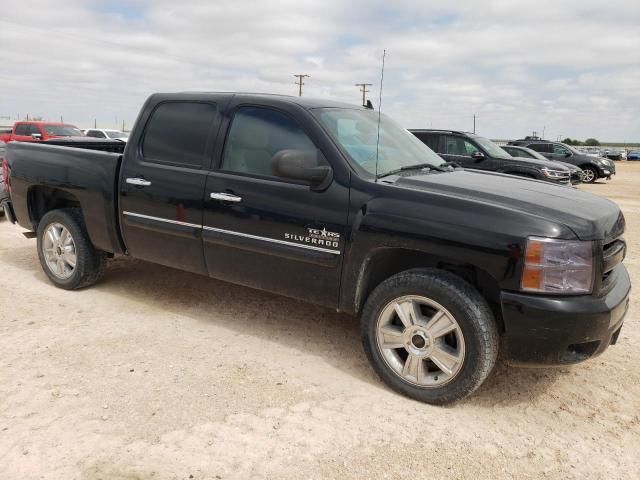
(612, 255)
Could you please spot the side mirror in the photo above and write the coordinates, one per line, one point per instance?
(36, 136)
(567, 155)
(478, 155)
(303, 166)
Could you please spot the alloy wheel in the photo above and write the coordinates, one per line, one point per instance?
(420, 341)
(59, 251)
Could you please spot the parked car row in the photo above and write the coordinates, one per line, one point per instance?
(473, 151)
(594, 168)
(33, 131)
(577, 175)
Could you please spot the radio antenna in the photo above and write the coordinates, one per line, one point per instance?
(384, 54)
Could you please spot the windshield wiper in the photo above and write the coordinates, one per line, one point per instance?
(451, 164)
(419, 166)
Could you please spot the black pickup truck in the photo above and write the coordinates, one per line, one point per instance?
(298, 197)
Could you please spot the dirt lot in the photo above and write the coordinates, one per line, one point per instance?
(160, 374)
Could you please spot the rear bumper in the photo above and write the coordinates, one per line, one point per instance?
(564, 330)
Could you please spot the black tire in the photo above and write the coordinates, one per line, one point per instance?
(90, 262)
(469, 309)
(590, 175)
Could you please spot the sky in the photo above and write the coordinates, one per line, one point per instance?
(567, 68)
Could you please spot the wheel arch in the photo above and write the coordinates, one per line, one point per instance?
(42, 199)
(385, 262)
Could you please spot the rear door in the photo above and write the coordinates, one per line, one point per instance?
(162, 184)
(544, 149)
(268, 232)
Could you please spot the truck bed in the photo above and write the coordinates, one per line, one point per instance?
(87, 175)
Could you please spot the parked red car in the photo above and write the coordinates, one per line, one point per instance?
(30, 131)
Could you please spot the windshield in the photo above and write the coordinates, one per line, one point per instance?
(491, 148)
(356, 131)
(570, 148)
(62, 130)
(527, 153)
(115, 134)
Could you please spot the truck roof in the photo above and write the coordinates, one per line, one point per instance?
(304, 102)
(44, 122)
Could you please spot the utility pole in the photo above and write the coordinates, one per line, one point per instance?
(474, 123)
(363, 89)
(300, 82)
(95, 123)
(61, 119)
(544, 127)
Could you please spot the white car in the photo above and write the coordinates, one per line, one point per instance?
(106, 133)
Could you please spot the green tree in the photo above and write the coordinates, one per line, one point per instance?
(568, 141)
(591, 142)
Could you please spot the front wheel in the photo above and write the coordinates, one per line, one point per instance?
(590, 175)
(429, 335)
(66, 254)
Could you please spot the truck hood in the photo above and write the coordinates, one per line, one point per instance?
(589, 216)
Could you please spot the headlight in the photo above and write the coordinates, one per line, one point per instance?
(554, 173)
(557, 266)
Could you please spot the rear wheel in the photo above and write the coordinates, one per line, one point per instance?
(429, 335)
(590, 175)
(66, 254)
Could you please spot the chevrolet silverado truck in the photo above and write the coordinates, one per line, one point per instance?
(334, 205)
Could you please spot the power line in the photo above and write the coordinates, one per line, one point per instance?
(363, 89)
(300, 82)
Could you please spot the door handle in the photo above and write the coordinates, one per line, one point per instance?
(141, 182)
(225, 197)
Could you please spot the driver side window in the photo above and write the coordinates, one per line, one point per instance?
(256, 135)
(458, 146)
(560, 150)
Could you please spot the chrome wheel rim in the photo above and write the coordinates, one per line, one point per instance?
(59, 251)
(589, 176)
(420, 341)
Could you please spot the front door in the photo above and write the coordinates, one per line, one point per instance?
(459, 150)
(267, 232)
(561, 154)
(162, 184)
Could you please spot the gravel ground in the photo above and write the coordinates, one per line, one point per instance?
(160, 374)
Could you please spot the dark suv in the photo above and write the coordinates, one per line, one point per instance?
(472, 151)
(593, 167)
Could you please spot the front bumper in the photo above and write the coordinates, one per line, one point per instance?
(547, 330)
(607, 171)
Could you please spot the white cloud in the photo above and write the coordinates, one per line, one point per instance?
(570, 67)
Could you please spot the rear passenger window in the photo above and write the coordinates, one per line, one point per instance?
(22, 129)
(540, 147)
(256, 135)
(430, 141)
(177, 133)
(33, 128)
